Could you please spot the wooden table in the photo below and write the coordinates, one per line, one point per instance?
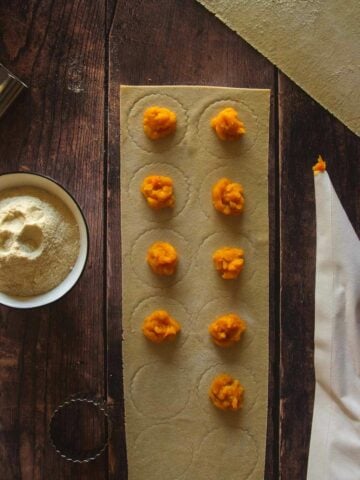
(74, 54)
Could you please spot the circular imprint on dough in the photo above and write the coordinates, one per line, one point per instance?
(141, 267)
(222, 306)
(228, 149)
(135, 123)
(205, 264)
(230, 454)
(247, 380)
(205, 196)
(173, 307)
(160, 390)
(162, 452)
(138, 201)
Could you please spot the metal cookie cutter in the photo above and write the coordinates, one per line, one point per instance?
(10, 87)
(65, 451)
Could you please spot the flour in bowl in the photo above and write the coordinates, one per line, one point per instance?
(39, 241)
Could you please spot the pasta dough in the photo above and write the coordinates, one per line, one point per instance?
(172, 429)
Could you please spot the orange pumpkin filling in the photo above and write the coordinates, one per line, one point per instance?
(227, 125)
(227, 329)
(159, 122)
(160, 327)
(226, 393)
(228, 197)
(162, 258)
(320, 165)
(158, 191)
(229, 261)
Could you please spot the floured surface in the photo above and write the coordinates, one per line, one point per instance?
(172, 429)
(315, 42)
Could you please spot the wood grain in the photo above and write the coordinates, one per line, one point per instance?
(56, 128)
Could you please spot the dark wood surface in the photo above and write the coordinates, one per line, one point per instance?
(74, 54)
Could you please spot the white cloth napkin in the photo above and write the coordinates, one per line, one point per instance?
(335, 436)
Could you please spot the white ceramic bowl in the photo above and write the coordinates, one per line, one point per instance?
(19, 179)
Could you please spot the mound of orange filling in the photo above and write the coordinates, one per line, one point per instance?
(159, 122)
(227, 125)
(226, 393)
(160, 327)
(320, 166)
(162, 258)
(158, 191)
(227, 329)
(229, 261)
(228, 197)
